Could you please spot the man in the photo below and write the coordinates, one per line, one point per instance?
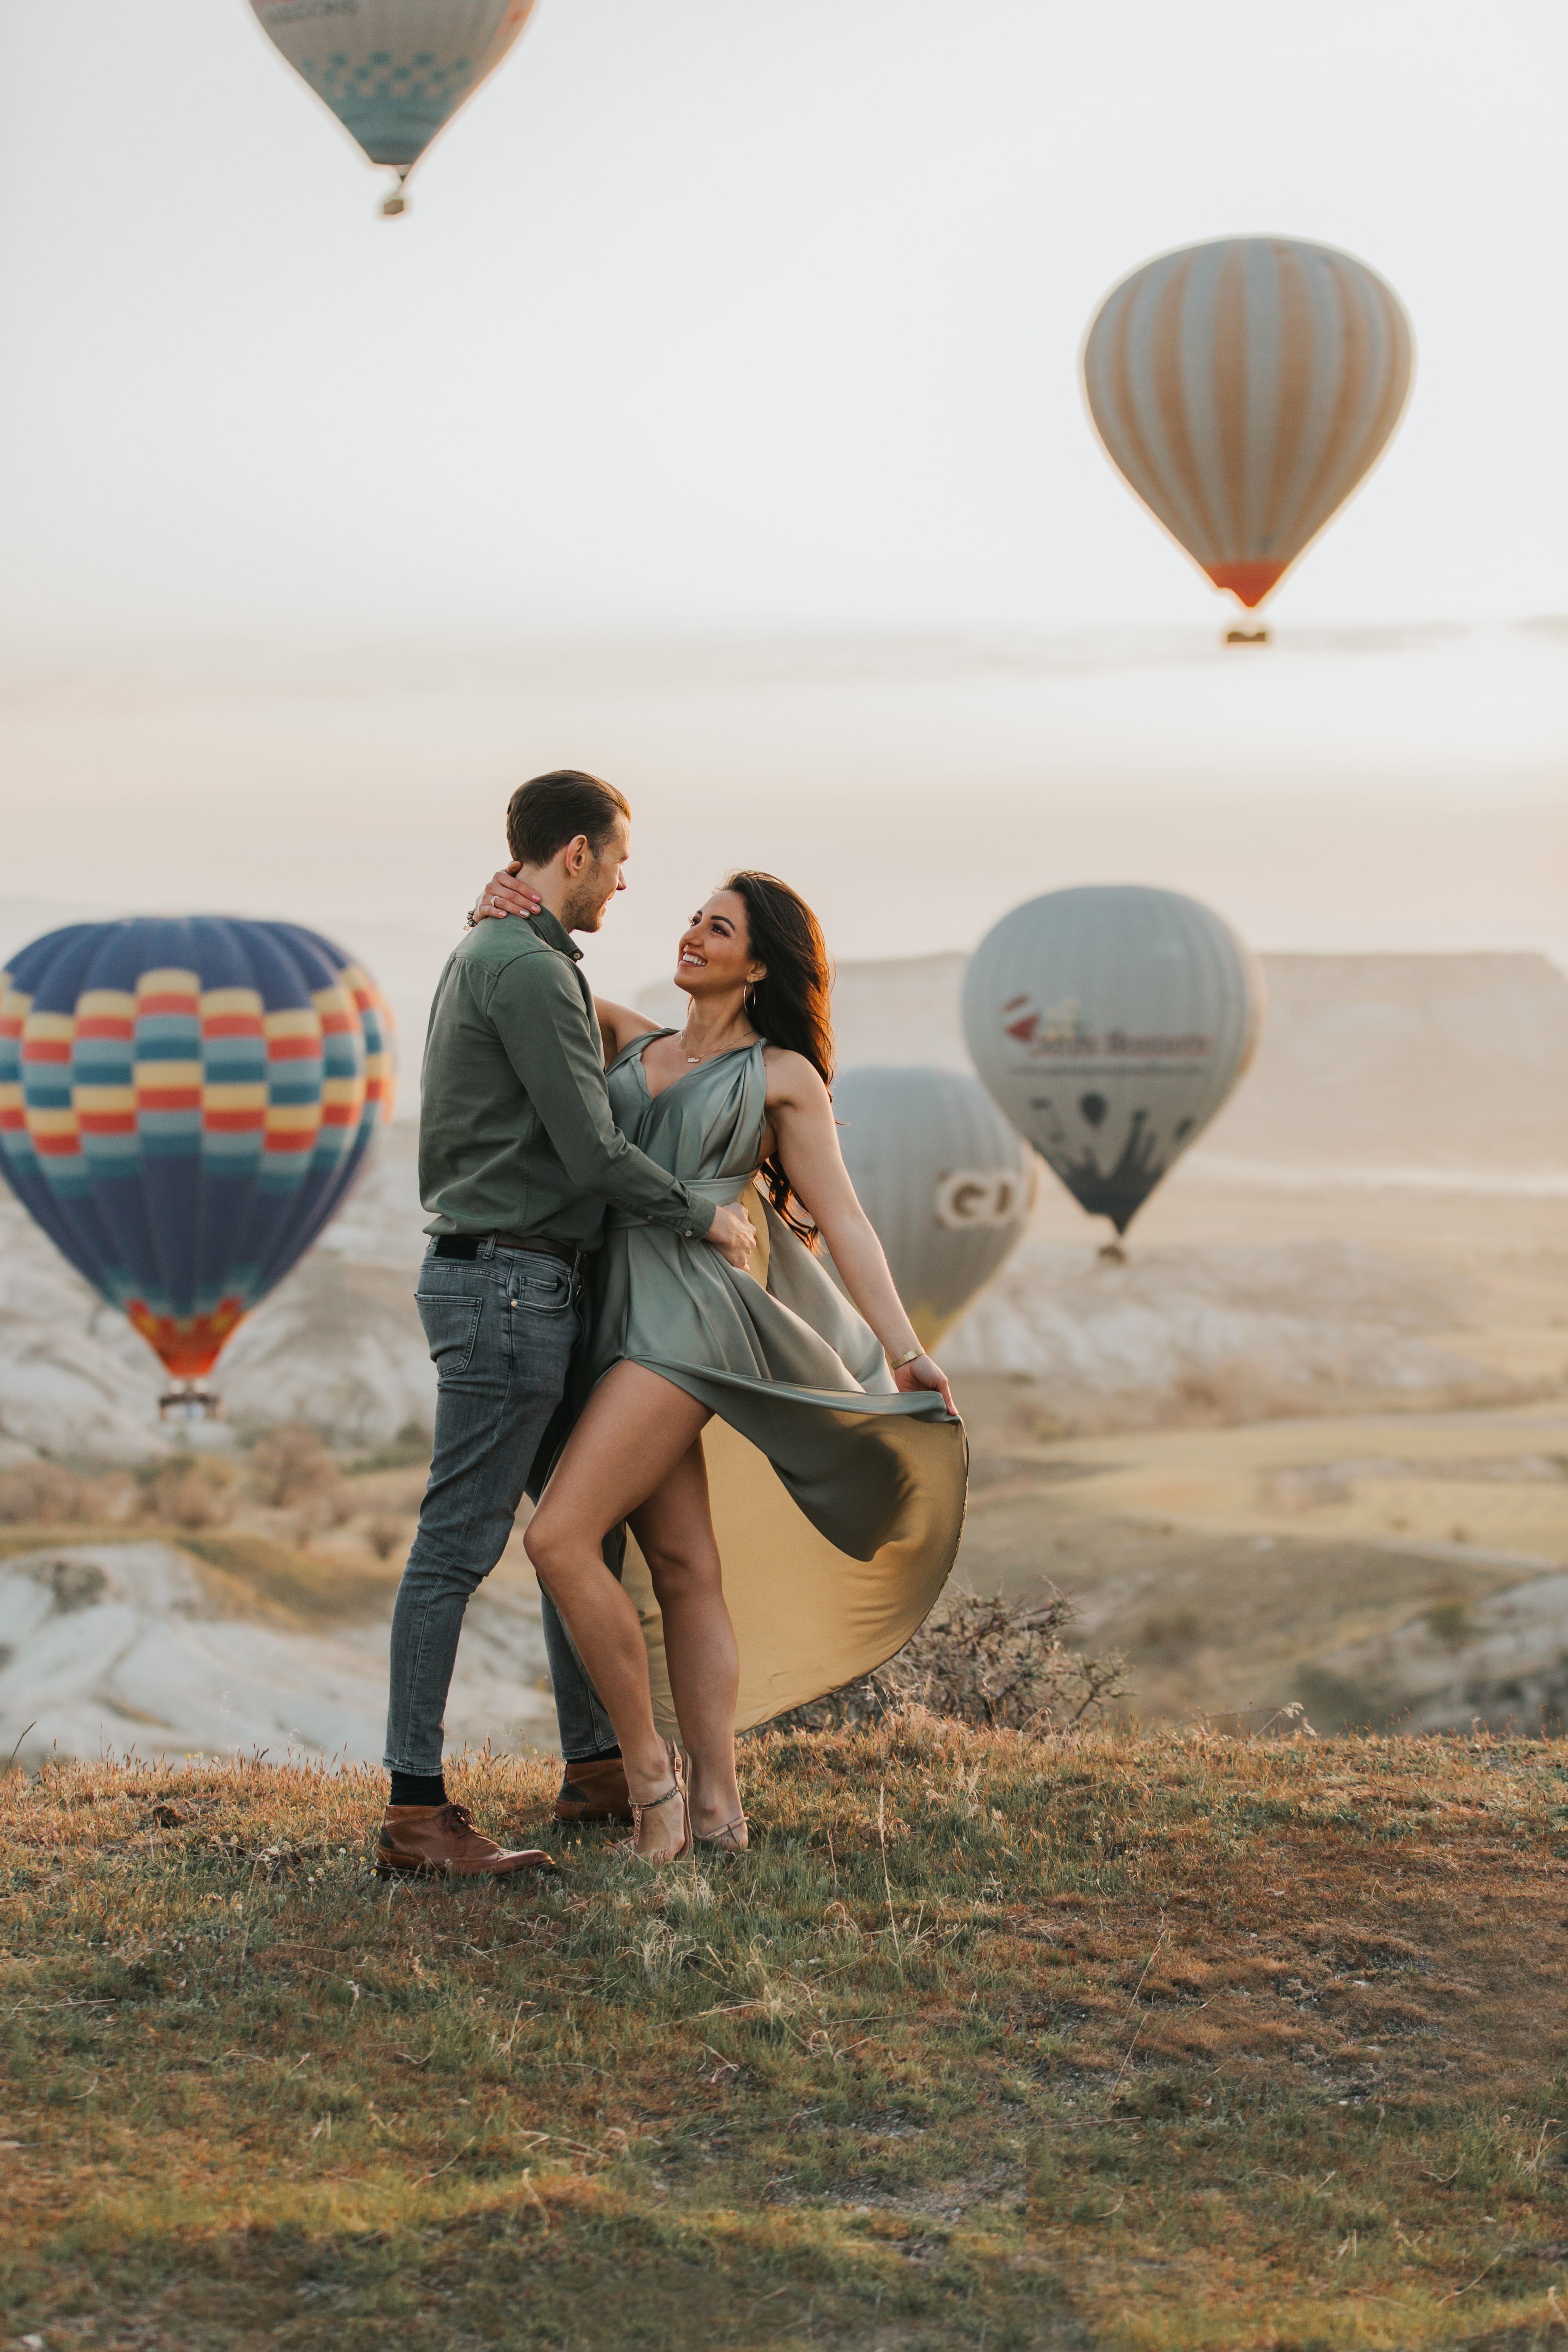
(518, 1154)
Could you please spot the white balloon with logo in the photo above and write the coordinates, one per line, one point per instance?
(1110, 1023)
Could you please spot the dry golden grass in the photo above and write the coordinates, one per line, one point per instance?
(1141, 2043)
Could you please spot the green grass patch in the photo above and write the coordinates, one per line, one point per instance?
(994, 2041)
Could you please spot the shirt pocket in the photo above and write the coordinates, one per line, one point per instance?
(451, 1327)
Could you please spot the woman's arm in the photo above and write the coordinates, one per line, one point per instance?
(806, 1141)
(618, 1025)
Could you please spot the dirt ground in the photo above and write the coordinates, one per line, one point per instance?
(1228, 1555)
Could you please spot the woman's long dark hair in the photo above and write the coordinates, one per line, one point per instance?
(792, 1006)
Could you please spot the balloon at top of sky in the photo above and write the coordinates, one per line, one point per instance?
(183, 1104)
(1244, 388)
(394, 71)
(944, 1180)
(1110, 1023)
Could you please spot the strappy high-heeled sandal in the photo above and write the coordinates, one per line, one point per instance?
(725, 1841)
(659, 1860)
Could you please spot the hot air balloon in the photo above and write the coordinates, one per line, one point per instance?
(1244, 388)
(1110, 1025)
(394, 71)
(942, 1177)
(182, 1106)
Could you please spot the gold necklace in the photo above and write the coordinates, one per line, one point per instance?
(693, 1059)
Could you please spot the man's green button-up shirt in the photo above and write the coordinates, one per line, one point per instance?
(515, 1131)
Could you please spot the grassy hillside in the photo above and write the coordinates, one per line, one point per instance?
(1155, 2043)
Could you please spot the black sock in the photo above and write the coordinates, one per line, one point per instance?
(600, 1756)
(417, 1788)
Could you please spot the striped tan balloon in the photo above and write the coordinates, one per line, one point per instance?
(1244, 388)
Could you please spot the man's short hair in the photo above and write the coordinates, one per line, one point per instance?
(548, 812)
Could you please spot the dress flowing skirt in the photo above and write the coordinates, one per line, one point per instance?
(837, 1502)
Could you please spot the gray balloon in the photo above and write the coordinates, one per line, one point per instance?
(942, 1177)
(1110, 1025)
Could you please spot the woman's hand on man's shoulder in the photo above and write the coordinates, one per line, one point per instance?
(503, 895)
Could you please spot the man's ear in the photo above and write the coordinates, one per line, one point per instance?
(577, 854)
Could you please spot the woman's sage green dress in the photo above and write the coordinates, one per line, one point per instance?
(833, 1554)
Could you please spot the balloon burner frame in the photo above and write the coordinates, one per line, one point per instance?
(190, 1402)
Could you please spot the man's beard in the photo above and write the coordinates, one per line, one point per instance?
(584, 912)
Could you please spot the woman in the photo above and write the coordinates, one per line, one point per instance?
(854, 1416)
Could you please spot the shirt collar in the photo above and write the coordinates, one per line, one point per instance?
(553, 933)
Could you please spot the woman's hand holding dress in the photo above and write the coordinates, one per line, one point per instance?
(925, 1372)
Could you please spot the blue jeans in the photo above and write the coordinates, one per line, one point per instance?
(502, 1328)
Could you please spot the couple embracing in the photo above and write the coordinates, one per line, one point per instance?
(623, 1249)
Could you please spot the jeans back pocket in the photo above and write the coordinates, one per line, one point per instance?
(451, 1327)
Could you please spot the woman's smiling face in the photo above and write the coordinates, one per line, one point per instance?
(715, 952)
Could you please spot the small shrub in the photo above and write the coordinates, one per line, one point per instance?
(1176, 1635)
(1448, 1621)
(981, 1659)
(42, 1492)
(186, 1492)
(383, 1536)
(290, 1466)
(331, 1505)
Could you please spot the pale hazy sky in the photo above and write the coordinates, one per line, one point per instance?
(713, 310)
(713, 420)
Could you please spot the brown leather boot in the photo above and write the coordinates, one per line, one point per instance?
(441, 1842)
(594, 1792)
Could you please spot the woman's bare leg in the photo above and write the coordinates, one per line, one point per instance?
(675, 1531)
(634, 1430)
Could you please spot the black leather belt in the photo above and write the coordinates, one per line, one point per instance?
(469, 1245)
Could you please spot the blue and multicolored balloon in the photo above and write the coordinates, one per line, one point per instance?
(183, 1104)
(394, 71)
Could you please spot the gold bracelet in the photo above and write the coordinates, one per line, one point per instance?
(897, 1363)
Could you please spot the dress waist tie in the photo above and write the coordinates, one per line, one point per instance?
(720, 1189)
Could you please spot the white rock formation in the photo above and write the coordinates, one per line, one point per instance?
(111, 1646)
(1502, 1660)
(1293, 1315)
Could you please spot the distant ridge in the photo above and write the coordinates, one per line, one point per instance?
(1456, 1059)
(1444, 1061)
